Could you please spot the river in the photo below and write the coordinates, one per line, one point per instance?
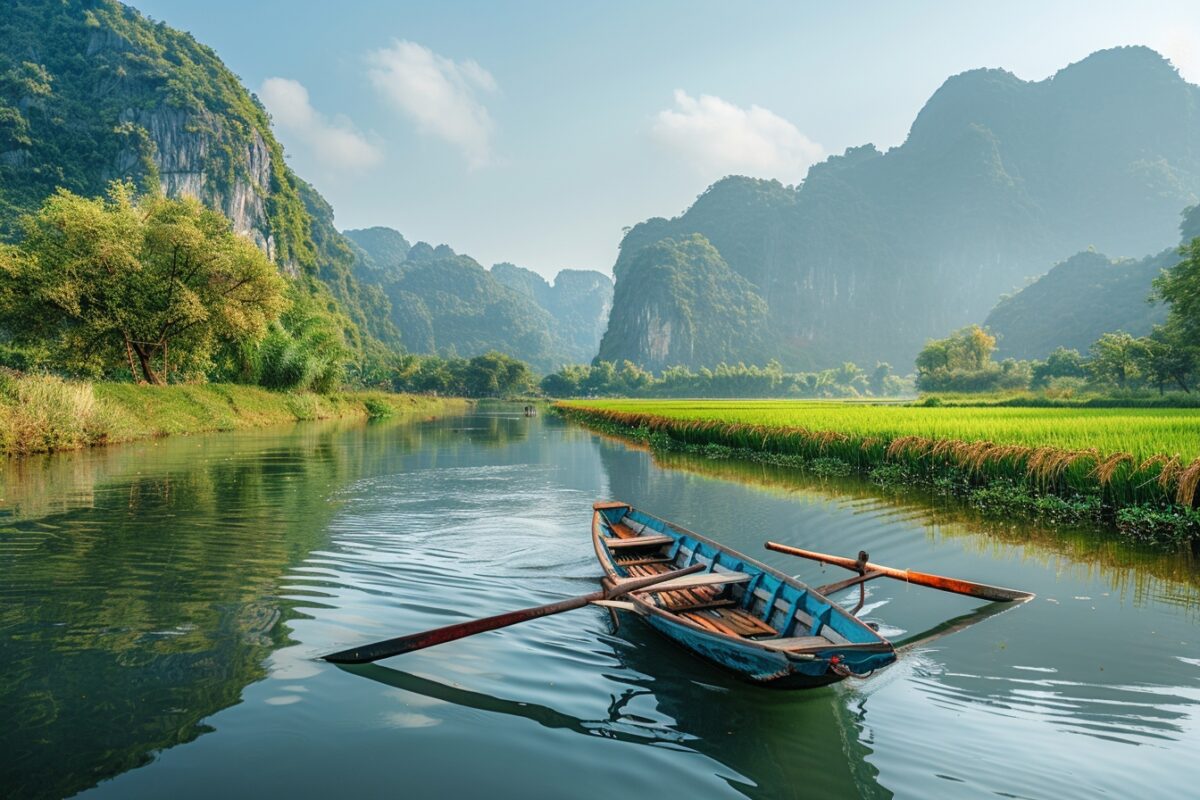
(162, 605)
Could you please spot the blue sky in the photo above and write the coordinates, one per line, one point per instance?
(533, 132)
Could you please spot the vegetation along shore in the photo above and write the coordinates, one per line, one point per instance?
(1137, 469)
(41, 413)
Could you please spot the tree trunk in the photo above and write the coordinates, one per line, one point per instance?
(133, 373)
(144, 358)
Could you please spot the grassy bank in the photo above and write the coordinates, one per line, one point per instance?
(40, 414)
(1138, 469)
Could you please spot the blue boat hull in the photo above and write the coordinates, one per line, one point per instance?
(847, 646)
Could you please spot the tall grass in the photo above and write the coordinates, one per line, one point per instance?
(43, 413)
(1129, 456)
(39, 413)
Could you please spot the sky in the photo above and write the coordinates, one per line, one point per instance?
(534, 132)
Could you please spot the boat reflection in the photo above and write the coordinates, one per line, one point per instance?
(765, 743)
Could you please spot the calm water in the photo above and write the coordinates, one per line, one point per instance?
(162, 604)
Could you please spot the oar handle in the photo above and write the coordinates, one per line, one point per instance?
(941, 582)
(417, 641)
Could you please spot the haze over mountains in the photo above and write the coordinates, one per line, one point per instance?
(998, 180)
(445, 302)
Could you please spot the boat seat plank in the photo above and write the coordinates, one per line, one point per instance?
(752, 625)
(708, 621)
(795, 642)
(632, 560)
(702, 579)
(730, 621)
(699, 606)
(637, 541)
(622, 531)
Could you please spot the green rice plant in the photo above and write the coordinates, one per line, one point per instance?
(1124, 456)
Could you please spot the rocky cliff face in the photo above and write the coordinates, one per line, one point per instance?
(998, 178)
(677, 302)
(182, 149)
(91, 91)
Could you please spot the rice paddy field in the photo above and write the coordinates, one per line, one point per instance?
(1124, 455)
(1142, 432)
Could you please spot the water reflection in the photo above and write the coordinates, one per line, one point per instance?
(1095, 656)
(770, 742)
(155, 592)
(1146, 573)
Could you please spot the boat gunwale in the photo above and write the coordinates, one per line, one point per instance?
(881, 644)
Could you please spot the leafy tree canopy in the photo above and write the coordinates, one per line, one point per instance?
(156, 285)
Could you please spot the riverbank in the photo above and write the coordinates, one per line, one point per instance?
(1134, 471)
(42, 414)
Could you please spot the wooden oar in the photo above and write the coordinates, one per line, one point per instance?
(955, 585)
(366, 653)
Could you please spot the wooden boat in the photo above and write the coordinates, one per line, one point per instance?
(732, 610)
(738, 613)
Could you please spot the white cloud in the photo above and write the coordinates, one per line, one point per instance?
(335, 142)
(441, 95)
(720, 138)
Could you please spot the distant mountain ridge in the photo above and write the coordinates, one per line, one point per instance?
(445, 302)
(876, 252)
(1078, 300)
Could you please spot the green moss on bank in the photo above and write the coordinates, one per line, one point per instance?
(40, 414)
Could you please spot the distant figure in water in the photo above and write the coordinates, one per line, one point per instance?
(530, 411)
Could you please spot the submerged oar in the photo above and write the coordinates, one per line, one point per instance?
(955, 585)
(416, 641)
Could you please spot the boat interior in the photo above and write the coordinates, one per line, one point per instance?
(732, 597)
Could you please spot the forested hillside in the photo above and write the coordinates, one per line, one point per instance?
(876, 252)
(579, 301)
(92, 91)
(446, 302)
(1077, 301)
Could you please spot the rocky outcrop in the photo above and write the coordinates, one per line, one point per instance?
(182, 144)
(678, 303)
(92, 91)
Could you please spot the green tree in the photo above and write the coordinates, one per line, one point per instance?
(497, 375)
(305, 350)
(963, 362)
(1061, 363)
(158, 285)
(601, 379)
(1164, 359)
(967, 349)
(633, 379)
(1180, 286)
(1115, 359)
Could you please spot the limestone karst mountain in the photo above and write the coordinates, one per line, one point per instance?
(998, 179)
